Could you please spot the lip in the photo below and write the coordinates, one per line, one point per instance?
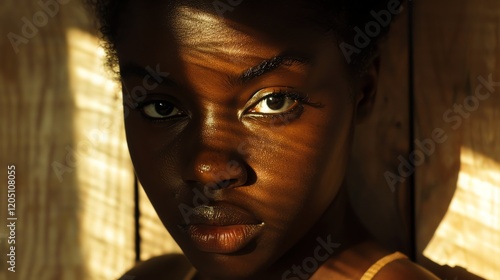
(221, 228)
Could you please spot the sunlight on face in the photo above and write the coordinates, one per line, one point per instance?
(235, 86)
(203, 36)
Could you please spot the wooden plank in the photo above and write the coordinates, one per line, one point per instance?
(155, 239)
(456, 44)
(378, 143)
(65, 220)
(30, 103)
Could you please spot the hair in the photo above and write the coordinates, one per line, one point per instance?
(339, 16)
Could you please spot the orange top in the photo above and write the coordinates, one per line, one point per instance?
(191, 274)
(368, 275)
(376, 267)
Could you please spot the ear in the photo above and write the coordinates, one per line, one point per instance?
(367, 91)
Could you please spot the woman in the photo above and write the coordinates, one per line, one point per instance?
(239, 118)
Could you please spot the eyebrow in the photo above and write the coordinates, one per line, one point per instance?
(264, 67)
(271, 64)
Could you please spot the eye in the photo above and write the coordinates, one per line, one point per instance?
(160, 110)
(275, 103)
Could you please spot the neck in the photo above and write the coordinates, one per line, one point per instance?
(338, 229)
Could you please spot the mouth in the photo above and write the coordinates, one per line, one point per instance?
(221, 228)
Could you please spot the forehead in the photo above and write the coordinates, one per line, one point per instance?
(199, 34)
(227, 25)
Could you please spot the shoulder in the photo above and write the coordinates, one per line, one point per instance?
(171, 266)
(368, 260)
(404, 269)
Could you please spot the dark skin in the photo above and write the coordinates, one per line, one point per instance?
(274, 142)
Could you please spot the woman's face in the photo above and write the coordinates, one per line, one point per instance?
(242, 128)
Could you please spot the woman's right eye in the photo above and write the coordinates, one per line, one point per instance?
(160, 110)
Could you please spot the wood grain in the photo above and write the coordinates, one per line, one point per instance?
(155, 239)
(456, 42)
(76, 224)
(57, 106)
(378, 143)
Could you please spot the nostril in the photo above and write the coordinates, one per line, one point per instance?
(215, 170)
(215, 182)
(227, 183)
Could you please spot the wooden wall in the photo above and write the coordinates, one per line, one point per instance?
(457, 180)
(457, 44)
(58, 106)
(457, 164)
(379, 140)
(34, 100)
(61, 126)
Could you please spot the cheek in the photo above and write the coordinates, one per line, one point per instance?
(300, 168)
(152, 149)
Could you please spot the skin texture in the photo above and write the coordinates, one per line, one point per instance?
(286, 168)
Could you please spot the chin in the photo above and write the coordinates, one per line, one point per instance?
(245, 264)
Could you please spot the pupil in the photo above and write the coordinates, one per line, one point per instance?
(275, 102)
(164, 108)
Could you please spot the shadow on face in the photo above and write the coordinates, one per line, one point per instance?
(239, 124)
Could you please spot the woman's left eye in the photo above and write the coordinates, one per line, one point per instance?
(160, 110)
(275, 103)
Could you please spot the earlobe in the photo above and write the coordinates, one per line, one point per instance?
(367, 91)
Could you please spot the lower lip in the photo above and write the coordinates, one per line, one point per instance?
(222, 239)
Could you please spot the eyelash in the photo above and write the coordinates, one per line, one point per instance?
(302, 99)
(287, 116)
(288, 94)
(140, 107)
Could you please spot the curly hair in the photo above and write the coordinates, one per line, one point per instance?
(342, 17)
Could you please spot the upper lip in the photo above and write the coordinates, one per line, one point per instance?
(221, 214)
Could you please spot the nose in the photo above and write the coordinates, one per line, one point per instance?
(210, 146)
(216, 170)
